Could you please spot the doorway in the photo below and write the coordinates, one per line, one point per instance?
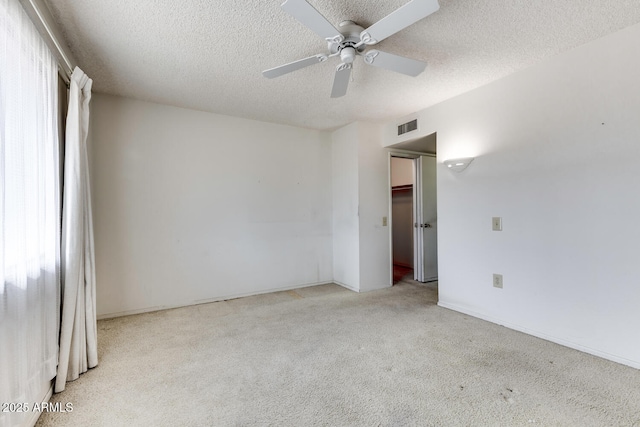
(402, 207)
(413, 211)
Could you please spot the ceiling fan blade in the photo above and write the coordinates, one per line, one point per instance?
(398, 20)
(341, 80)
(309, 16)
(293, 66)
(399, 64)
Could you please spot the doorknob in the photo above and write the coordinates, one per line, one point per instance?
(426, 225)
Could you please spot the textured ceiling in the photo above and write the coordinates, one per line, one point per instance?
(208, 55)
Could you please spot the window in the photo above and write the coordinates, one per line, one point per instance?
(29, 211)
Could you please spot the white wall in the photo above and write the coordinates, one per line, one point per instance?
(360, 201)
(374, 188)
(192, 206)
(557, 154)
(344, 171)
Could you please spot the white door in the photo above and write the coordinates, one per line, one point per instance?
(426, 220)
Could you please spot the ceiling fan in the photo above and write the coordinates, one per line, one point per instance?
(351, 40)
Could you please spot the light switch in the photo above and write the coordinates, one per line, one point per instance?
(384, 221)
(496, 222)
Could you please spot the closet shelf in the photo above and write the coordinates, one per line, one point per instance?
(402, 187)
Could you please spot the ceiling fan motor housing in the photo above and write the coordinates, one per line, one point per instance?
(351, 33)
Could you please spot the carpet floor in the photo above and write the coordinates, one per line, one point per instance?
(328, 356)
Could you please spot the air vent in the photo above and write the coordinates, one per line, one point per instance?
(408, 127)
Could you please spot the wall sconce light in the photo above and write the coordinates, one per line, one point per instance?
(458, 165)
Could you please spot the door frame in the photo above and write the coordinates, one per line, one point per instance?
(405, 154)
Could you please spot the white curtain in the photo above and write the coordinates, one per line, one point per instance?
(29, 213)
(78, 336)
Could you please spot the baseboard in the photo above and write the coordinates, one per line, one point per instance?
(207, 301)
(351, 288)
(34, 415)
(544, 336)
(375, 288)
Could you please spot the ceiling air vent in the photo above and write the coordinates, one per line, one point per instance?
(408, 127)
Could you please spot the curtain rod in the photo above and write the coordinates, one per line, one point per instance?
(39, 13)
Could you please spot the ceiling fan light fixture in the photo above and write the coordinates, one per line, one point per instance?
(348, 55)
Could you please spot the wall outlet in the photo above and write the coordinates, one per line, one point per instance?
(384, 221)
(497, 281)
(496, 223)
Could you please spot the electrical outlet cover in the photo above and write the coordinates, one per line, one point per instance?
(497, 281)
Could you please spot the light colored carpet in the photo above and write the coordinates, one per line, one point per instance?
(328, 356)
